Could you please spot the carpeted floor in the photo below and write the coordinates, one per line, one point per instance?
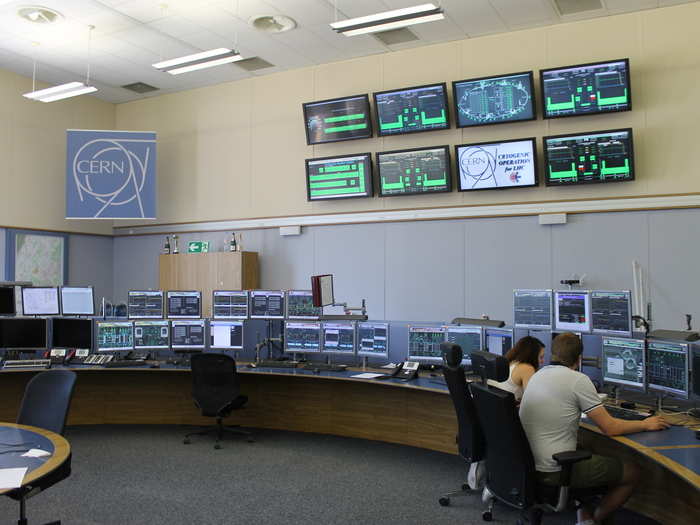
(144, 474)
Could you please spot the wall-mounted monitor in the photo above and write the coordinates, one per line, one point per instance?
(300, 336)
(23, 333)
(145, 304)
(494, 99)
(77, 300)
(469, 338)
(184, 304)
(624, 362)
(266, 304)
(300, 305)
(337, 119)
(187, 335)
(115, 335)
(421, 108)
(339, 337)
(532, 309)
(7, 300)
(339, 177)
(71, 333)
(611, 312)
(424, 343)
(497, 165)
(40, 300)
(226, 335)
(587, 158)
(585, 89)
(230, 304)
(373, 339)
(152, 334)
(667, 367)
(572, 311)
(414, 171)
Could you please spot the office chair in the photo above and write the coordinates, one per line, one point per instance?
(510, 466)
(217, 392)
(470, 438)
(45, 404)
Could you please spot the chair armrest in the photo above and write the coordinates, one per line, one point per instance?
(567, 460)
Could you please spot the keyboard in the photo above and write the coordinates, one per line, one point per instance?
(124, 363)
(325, 367)
(27, 363)
(624, 413)
(277, 364)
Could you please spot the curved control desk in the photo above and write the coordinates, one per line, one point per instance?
(418, 414)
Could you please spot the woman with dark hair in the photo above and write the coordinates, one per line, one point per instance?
(524, 358)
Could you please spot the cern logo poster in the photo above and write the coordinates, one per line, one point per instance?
(496, 165)
(110, 174)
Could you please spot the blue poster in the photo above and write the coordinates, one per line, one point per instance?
(110, 174)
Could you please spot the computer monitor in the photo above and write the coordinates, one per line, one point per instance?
(115, 335)
(40, 300)
(339, 337)
(145, 304)
(414, 171)
(532, 309)
(498, 340)
(226, 335)
(77, 300)
(184, 304)
(572, 311)
(7, 300)
(331, 178)
(624, 362)
(695, 390)
(469, 338)
(71, 333)
(497, 165)
(611, 312)
(300, 336)
(230, 304)
(409, 110)
(267, 304)
(300, 305)
(187, 334)
(667, 367)
(23, 333)
(373, 339)
(153, 335)
(424, 343)
(337, 119)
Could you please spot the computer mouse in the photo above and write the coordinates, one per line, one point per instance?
(155, 365)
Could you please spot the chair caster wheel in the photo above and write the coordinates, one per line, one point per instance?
(465, 487)
(217, 446)
(444, 502)
(186, 441)
(487, 515)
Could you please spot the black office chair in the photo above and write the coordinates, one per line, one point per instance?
(216, 391)
(470, 438)
(45, 404)
(510, 467)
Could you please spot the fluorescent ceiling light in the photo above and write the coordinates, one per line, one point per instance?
(165, 64)
(71, 89)
(205, 59)
(389, 20)
(203, 65)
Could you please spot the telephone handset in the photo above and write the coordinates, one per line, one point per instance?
(406, 371)
(57, 355)
(78, 355)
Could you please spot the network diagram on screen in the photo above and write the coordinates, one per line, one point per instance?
(493, 100)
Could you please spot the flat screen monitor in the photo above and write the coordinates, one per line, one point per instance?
(469, 338)
(337, 119)
(7, 300)
(532, 309)
(184, 304)
(77, 300)
(586, 89)
(421, 108)
(71, 333)
(414, 171)
(572, 311)
(38, 300)
(23, 333)
(339, 177)
(667, 367)
(230, 304)
(145, 304)
(624, 362)
(187, 335)
(373, 339)
(498, 340)
(267, 304)
(589, 158)
(115, 335)
(300, 305)
(300, 336)
(424, 343)
(497, 165)
(494, 100)
(226, 335)
(611, 312)
(696, 372)
(339, 337)
(152, 334)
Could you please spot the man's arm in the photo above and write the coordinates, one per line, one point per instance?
(612, 426)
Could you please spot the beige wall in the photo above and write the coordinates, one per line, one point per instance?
(33, 153)
(237, 150)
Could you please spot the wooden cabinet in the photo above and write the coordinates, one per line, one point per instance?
(208, 272)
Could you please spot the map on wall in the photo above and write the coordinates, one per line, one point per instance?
(39, 259)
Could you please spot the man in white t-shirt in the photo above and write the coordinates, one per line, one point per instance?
(550, 411)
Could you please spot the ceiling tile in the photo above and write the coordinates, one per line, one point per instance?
(525, 13)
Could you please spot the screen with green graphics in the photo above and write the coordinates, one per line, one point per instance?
(337, 119)
(339, 177)
(603, 156)
(414, 109)
(408, 172)
(602, 87)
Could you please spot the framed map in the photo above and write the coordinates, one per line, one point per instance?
(38, 257)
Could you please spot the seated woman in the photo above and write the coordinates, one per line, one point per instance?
(525, 358)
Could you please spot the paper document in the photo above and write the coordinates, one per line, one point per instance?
(367, 375)
(36, 453)
(11, 478)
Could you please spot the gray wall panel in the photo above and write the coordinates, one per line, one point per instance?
(2, 254)
(135, 264)
(91, 262)
(286, 262)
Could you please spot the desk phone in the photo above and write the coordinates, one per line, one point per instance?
(78, 355)
(57, 355)
(407, 370)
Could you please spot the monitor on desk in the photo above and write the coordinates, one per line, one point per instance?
(230, 304)
(187, 335)
(339, 337)
(300, 336)
(373, 339)
(695, 390)
(667, 367)
(498, 340)
(145, 304)
(469, 338)
(267, 304)
(572, 311)
(7, 300)
(611, 312)
(300, 305)
(226, 335)
(624, 362)
(424, 343)
(532, 309)
(77, 300)
(23, 333)
(115, 335)
(184, 304)
(153, 335)
(71, 333)
(40, 300)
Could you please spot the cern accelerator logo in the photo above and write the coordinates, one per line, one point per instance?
(111, 175)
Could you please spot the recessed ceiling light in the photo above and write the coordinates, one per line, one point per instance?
(272, 23)
(39, 14)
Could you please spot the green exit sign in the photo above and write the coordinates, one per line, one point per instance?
(198, 247)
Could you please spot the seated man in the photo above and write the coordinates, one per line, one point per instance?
(550, 411)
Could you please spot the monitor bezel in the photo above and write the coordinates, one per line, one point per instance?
(229, 322)
(13, 302)
(663, 389)
(92, 294)
(449, 188)
(162, 302)
(448, 123)
(324, 350)
(555, 311)
(87, 321)
(233, 317)
(619, 382)
(550, 326)
(189, 321)
(250, 305)
(43, 320)
(370, 130)
(58, 300)
(614, 333)
(466, 360)
(156, 322)
(298, 317)
(97, 336)
(423, 358)
(167, 305)
(598, 63)
(288, 350)
(369, 182)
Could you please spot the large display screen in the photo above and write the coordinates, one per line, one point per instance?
(585, 89)
(494, 100)
(532, 309)
(422, 108)
(337, 119)
(339, 177)
(586, 158)
(491, 165)
(408, 172)
(77, 300)
(37, 300)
